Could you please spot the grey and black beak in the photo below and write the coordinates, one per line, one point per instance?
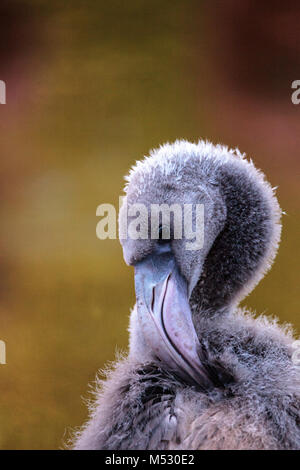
(165, 315)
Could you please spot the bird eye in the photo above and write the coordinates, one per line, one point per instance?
(162, 240)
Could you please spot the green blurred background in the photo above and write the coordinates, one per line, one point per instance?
(91, 87)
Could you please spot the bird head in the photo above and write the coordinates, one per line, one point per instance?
(201, 226)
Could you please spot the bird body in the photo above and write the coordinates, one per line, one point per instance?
(201, 372)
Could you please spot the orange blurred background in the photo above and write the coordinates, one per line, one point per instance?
(91, 87)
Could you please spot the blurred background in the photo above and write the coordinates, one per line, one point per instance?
(91, 87)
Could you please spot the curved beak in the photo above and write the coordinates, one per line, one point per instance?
(165, 316)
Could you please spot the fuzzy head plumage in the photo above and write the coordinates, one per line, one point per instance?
(242, 217)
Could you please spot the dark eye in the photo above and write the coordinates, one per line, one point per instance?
(162, 240)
